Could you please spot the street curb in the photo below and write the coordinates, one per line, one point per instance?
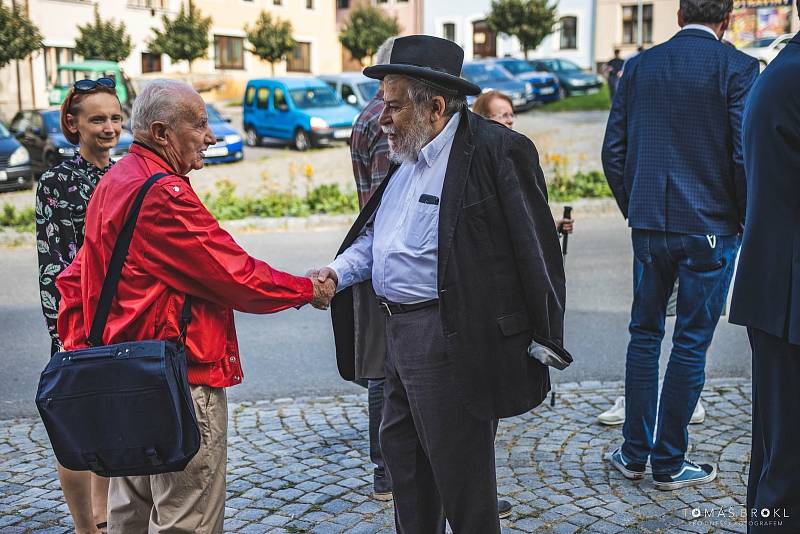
(581, 208)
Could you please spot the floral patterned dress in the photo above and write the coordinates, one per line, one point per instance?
(61, 199)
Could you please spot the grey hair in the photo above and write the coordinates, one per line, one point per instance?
(421, 92)
(384, 53)
(158, 103)
(705, 11)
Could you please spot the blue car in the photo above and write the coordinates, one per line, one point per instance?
(229, 146)
(545, 84)
(15, 163)
(489, 76)
(302, 112)
(39, 131)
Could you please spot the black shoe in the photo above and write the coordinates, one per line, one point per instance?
(503, 508)
(382, 486)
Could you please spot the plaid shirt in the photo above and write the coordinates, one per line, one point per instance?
(369, 150)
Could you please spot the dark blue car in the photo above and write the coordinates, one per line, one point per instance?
(489, 76)
(229, 146)
(15, 162)
(544, 84)
(39, 130)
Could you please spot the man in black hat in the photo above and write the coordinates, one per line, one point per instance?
(461, 249)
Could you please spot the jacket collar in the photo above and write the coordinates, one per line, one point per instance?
(691, 32)
(796, 39)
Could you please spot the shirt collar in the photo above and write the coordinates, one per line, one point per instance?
(432, 150)
(700, 27)
(148, 153)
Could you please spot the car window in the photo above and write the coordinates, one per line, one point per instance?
(368, 90)
(331, 84)
(314, 97)
(213, 114)
(280, 99)
(4, 132)
(516, 67)
(480, 74)
(262, 101)
(567, 65)
(36, 121)
(20, 122)
(249, 96)
(347, 91)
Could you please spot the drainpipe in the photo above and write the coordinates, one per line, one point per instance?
(593, 37)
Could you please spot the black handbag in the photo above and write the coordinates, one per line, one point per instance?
(124, 409)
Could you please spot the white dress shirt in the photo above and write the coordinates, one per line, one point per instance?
(399, 248)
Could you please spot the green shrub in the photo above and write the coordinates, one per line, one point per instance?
(24, 220)
(563, 188)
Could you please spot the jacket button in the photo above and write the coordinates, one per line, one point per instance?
(236, 377)
(232, 358)
(443, 291)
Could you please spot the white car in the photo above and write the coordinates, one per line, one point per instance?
(765, 50)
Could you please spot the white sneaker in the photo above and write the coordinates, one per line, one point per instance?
(614, 416)
(698, 415)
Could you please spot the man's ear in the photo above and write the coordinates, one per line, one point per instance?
(158, 133)
(437, 109)
(726, 22)
(681, 23)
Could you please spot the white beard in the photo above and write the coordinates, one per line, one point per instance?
(408, 144)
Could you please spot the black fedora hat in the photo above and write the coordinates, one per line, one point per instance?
(430, 59)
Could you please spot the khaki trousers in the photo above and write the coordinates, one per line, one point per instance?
(190, 501)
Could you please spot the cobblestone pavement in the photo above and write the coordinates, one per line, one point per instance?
(301, 465)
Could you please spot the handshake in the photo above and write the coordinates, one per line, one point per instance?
(325, 282)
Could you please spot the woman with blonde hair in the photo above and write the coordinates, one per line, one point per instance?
(91, 117)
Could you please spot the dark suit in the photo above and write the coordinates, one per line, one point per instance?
(501, 283)
(766, 294)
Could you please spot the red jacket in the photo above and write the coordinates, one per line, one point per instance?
(177, 248)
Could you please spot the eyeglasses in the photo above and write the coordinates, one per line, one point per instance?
(83, 86)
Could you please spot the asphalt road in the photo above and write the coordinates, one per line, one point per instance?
(291, 353)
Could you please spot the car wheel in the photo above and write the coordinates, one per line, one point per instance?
(562, 92)
(301, 140)
(251, 137)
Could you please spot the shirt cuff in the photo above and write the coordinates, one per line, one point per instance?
(340, 268)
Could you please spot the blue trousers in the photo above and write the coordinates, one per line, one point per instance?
(703, 266)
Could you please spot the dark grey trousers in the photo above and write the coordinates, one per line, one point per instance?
(439, 456)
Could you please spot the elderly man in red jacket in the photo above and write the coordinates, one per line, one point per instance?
(178, 249)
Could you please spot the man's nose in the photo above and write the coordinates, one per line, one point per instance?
(384, 118)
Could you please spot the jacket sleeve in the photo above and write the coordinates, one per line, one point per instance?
(740, 85)
(522, 193)
(55, 242)
(186, 248)
(615, 146)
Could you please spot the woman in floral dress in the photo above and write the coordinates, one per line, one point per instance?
(91, 117)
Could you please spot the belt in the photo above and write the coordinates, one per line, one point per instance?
(391, 308)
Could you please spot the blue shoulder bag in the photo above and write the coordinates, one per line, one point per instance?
(124, 409)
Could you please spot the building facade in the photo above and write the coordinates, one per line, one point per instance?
(465, 23)
(222, 74)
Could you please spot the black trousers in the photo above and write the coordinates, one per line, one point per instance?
(774, 483)
(440, 458)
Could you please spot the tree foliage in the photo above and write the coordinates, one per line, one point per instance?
(18, 35)
(271, 41)
(365, 31)
(185, 38)
(103, 40)
(530, 21)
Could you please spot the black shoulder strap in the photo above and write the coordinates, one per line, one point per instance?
(115, 266)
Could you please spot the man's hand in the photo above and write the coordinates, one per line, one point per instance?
(564, 226)
(325, 282)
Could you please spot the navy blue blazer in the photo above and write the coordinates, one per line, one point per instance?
(766, 293)
(672, 151)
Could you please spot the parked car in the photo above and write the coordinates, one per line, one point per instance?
(229, 146)
(68, 73)
(489, 76)
(39, 130)
(572, 79)
(303, 112)
(353, 87)
(765, 50)
(545, 85)
(15, 163)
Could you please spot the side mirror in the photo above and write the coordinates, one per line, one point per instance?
(352, 100)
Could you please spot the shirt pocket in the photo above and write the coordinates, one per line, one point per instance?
(422, 225)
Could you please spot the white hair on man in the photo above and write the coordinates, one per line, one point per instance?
(158, 102)
(384, 53)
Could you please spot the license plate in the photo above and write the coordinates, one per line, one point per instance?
(216, 151)
(547, 91)
(344, 133)
(519, 101)
(593, 90)
(3, 176)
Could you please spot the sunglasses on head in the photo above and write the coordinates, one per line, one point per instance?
(88, 85)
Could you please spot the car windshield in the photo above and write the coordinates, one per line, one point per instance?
(67, 77)
(213, 114)
(314, 97)
(485, 74)
(369, 89)
(564, 66)
(517, 67)
(759, 43)
(4, 132)
(52, 121)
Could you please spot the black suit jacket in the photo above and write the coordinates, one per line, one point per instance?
(500, 271)
(766, 294)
